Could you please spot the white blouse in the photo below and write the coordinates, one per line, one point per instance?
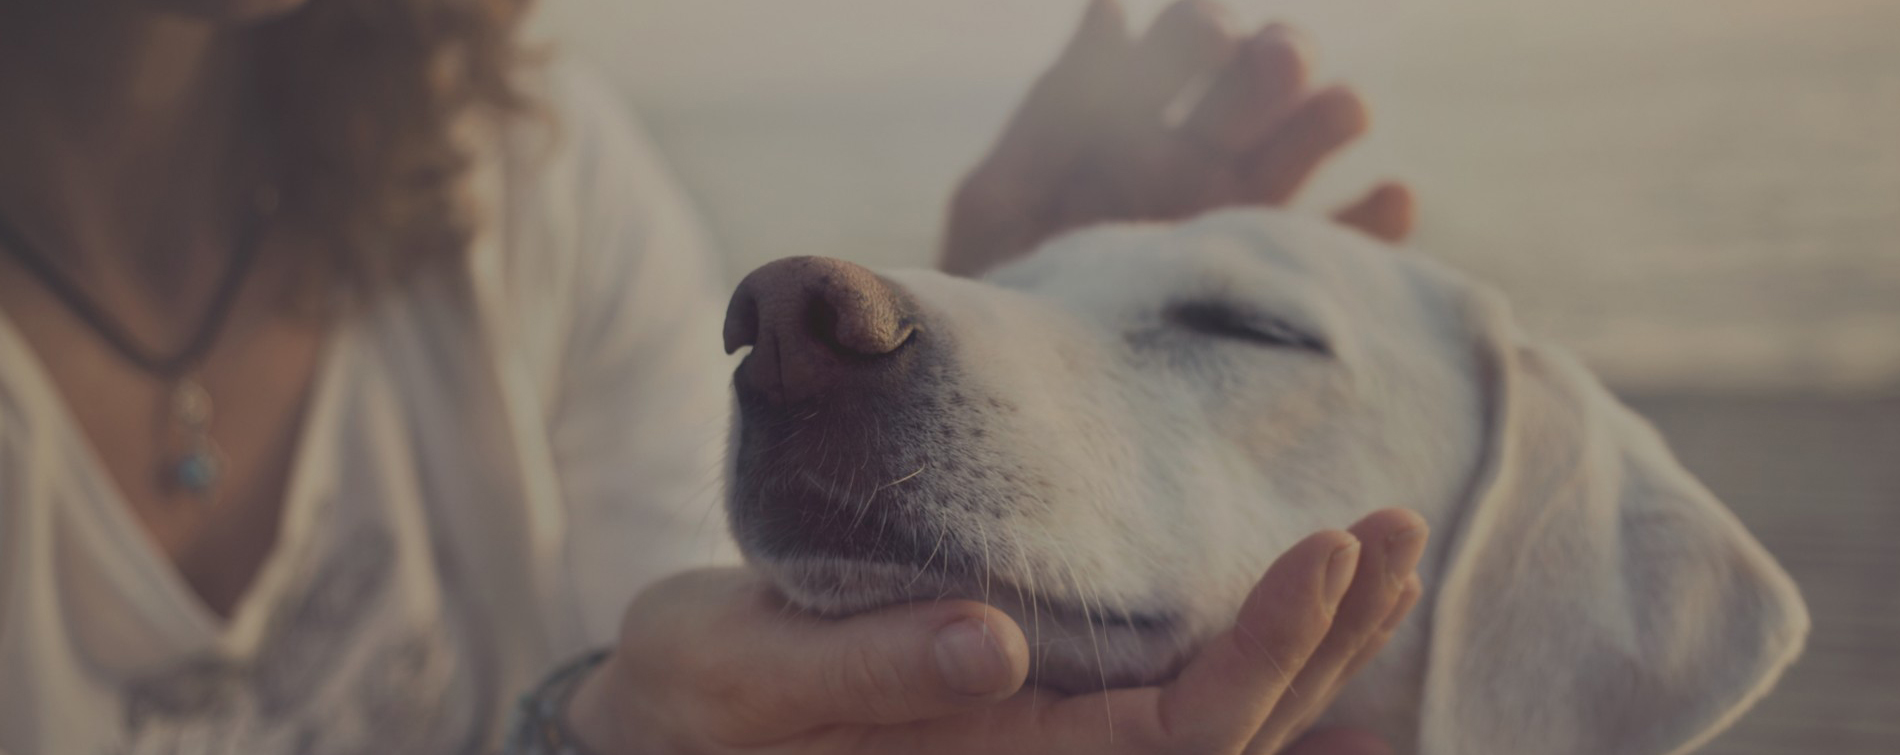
(493, 463)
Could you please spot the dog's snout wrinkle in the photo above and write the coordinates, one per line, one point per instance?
(815, 324)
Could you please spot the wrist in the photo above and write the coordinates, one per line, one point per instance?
(539, 723)
(596, 713)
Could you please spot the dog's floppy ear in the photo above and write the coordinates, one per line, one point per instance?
(1596, 598)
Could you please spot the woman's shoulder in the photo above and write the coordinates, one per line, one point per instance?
(581, 163)
(586, 232)
(576, 196)
(582, 128)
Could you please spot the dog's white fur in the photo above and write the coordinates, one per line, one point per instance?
(1584, 594)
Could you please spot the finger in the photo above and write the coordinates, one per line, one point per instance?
(1253, 95)
(1339, 742)
(1225, 692)
(1070, 95)
(1084, 74)
(1041, 144)
(1394, 540)
(1319, 126)
(905, 663)
(1385, 212)
(1189, 40)
(1102, 32)
(1408, 599)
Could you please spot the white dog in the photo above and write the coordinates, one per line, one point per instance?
(1113, 438)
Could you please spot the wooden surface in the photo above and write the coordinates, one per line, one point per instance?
(1818, 481)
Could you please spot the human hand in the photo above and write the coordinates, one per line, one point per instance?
(1092, 141)
(713, 662)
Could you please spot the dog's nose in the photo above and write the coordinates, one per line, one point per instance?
(815, 324)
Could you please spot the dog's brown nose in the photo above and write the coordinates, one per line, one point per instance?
(814, 324)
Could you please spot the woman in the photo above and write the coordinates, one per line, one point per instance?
(355, 375)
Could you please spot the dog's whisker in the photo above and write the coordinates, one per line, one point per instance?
(789, 437)
(869, 498)
(1095, 643)
(942, 532)
(1026, 594)
(905, 478)
(985, 536)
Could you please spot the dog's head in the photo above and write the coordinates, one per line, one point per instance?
(1112, 439)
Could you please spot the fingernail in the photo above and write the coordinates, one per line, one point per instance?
(1339, 570)
(971, 661)
(1402, 551)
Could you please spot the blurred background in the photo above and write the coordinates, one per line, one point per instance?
(1700, 196)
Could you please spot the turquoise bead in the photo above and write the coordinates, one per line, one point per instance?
(198, 471)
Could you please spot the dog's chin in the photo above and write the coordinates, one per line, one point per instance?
(1077, 646)
(832, 586)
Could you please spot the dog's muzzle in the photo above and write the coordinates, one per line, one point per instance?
(828, 398)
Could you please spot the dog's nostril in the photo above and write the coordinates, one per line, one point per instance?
(821, 321)
(813, 323)
(742, 322)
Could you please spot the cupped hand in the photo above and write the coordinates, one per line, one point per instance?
(713, 662)
(1100, 136)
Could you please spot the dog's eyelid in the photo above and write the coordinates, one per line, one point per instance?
(1245, 323)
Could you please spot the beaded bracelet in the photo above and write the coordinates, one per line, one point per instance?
(538, 724)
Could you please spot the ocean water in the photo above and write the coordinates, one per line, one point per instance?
(1696, 195)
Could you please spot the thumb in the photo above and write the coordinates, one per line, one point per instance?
(899, 664)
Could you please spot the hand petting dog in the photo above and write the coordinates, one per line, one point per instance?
(1096, 140)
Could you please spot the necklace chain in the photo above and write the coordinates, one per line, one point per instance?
(169, 367)
(198, 469)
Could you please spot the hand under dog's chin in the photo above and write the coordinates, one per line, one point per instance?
(1077, 646)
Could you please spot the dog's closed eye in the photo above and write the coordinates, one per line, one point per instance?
(1224, 320)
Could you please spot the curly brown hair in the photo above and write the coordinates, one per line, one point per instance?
(364, 97)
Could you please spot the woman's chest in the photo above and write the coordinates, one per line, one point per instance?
(236, 415)
(369, 622)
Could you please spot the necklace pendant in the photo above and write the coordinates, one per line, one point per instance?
(201, 467)
(198, 471)
(191, 405)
